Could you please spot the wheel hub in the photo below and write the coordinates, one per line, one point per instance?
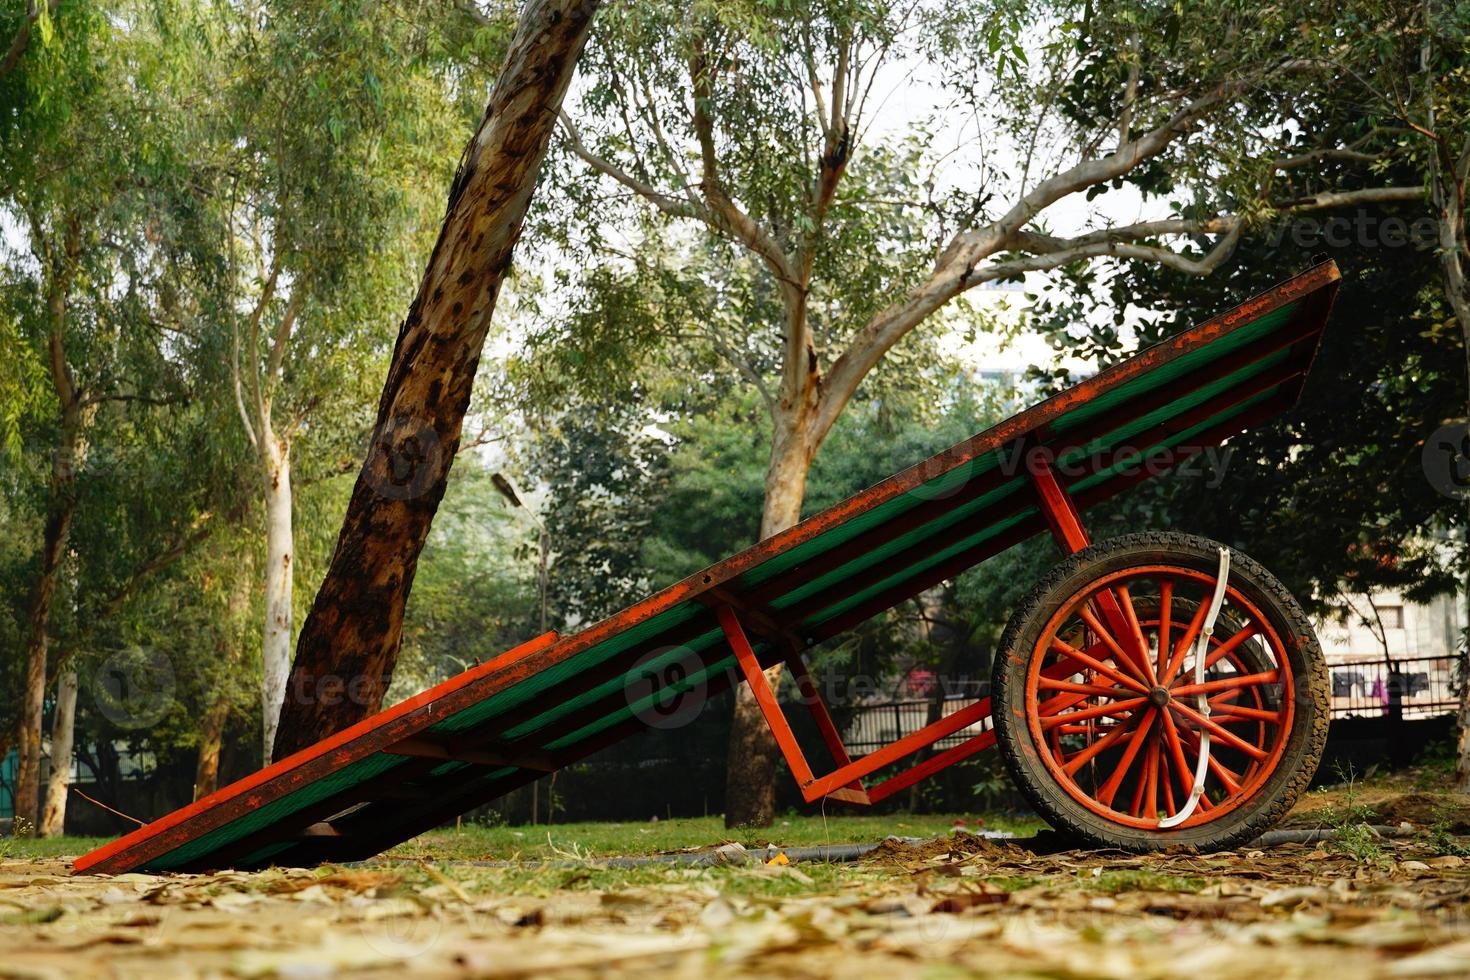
(1158, 697)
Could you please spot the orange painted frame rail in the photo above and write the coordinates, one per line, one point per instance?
(355, 818)
(845, 783)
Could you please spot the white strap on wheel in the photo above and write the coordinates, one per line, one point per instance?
(1202, 699)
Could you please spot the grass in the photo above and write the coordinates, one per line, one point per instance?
(48, 847)
(1350, 818)
(581, 840)
(593, 840)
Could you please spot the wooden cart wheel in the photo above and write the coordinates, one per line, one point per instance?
(1097, 706)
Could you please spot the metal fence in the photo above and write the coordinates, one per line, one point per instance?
(873, 726)
(1421, 687)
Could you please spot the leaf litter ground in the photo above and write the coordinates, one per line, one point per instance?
(1359, 906)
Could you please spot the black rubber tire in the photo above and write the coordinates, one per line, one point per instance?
(1300, 756)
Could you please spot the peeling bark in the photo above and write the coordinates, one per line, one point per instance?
(350, 640)
(280, 556)
(63, 730)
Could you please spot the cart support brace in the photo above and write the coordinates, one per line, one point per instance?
(1115, 607)
(846, 781)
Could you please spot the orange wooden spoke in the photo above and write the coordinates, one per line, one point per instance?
(1092, 690)
(1087, 728)
(1135, 745)
(1135, 807)
(1226, 683)
(1223, 719)
(1166, 610)
(1097, 711)
(1090, 752)
(1223, 734)
(1182, 769)
(1181, 649)
(1094, 624)
(1244, 713)
(1085, 657)
(1130, 616)
(1166, 778)
(1151, 778)
(1224, 773)
(1060, 703)
(1241, 635)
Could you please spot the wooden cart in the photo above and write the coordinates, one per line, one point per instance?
(1154, 689)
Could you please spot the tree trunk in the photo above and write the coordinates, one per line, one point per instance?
(1449, 200)
(211, 739)
(60, 510)
(63, 728)
(230, 651)
(275, 650)
(351, 636)
(752, 755)
(1462, 756)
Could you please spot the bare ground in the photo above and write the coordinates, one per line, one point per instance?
(1359, 906)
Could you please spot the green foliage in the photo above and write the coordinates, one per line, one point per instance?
(1349, 820)
(155, 158)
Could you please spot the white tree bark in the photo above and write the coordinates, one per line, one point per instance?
(63, 730)
(280, 558)
(255, 386)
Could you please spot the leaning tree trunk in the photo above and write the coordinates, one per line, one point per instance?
(349, 642)
(750, 763)
(63, 730)
(275, 650)
(59, 513)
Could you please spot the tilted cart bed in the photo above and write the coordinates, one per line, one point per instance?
(555, 700)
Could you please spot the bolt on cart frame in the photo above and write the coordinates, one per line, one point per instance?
(555, 700)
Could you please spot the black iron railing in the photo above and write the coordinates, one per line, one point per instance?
(1419, 687)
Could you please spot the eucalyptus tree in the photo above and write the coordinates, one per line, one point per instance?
(328, 129)
(763, 125)
(92, 173)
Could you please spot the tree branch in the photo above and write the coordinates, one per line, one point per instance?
(1130, 90)
(282, 336)
(97, 398)
(741, 363)
(1333, 199)
(472, 10)
(239, 393)
(728, 213)
(666, 203)
(22, 39)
